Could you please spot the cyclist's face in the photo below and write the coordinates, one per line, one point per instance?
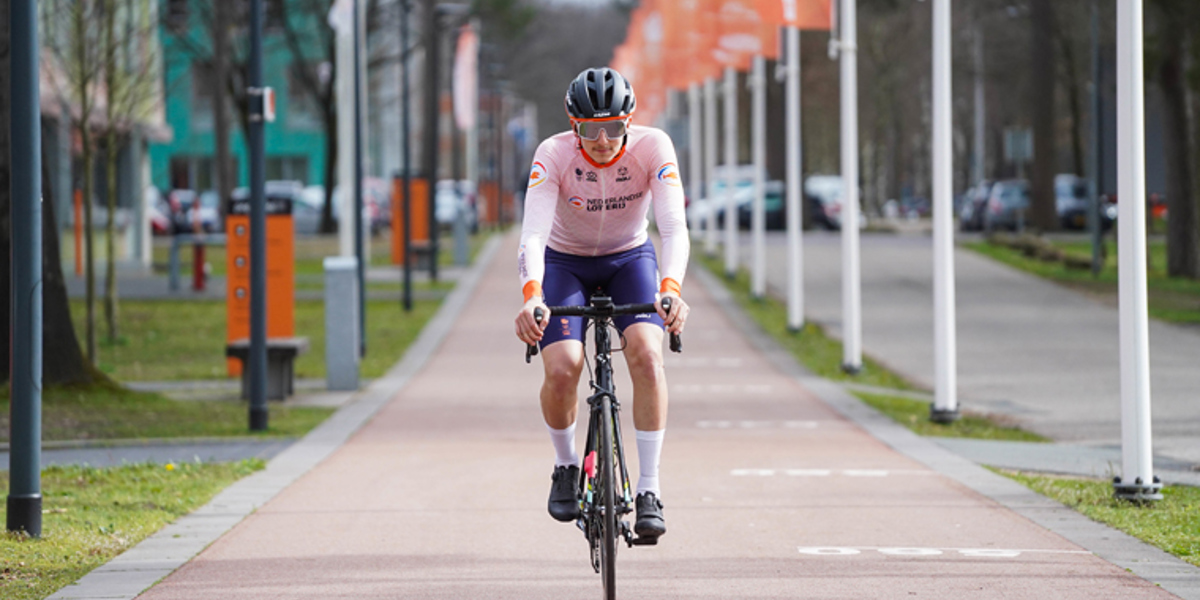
(602, 149)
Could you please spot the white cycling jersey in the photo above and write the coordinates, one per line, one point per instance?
(576, 206)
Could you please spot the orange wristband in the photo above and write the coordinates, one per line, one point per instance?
(531, 289)
(669, 285)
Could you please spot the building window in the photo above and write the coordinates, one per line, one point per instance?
(203, 87)
(302, 110)
(177, 15)
(292, 168)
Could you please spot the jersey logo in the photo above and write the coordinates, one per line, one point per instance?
(537, 175)
(622, 174)
(576, 201)
(591, 176)
(669, 174)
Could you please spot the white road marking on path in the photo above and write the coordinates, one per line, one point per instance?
(703, 362)
(827, 472)
(756, 424)
(721, 388)
(900, 551)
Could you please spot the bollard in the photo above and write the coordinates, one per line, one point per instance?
(198, 266)
(460, 237)
(341, 319)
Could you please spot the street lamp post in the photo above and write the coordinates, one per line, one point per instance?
(257, 359)
(24, 505)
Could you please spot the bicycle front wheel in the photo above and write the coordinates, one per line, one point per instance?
(608, 513)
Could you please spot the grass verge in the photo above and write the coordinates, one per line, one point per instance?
(1171, 299)
(92, 515)
(1170, 524)
(823, 356)
(96, 413)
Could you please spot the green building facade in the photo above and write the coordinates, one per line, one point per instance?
(295, 141)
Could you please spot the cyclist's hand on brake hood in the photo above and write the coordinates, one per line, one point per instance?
(529, 330)
(675, 319)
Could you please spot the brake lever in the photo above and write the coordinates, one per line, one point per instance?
(676, 341)
(531, 350)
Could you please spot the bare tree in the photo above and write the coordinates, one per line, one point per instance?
(131, 75)
(63, 361)
(75, 67)
(1171, 55)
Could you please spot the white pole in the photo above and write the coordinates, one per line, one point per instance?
(851, 284)
(345, 131)
(695, 154)
(758, 271)
(710, 164)
(795, 201)
(731, 132)
(1137, 480)
(945, 402)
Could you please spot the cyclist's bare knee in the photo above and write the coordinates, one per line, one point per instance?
(563, 363)
(643, 352)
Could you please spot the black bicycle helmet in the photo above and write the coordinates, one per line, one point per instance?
(599, 93)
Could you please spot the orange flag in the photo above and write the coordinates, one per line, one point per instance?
(803, 14)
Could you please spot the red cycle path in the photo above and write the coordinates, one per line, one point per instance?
(769, 493)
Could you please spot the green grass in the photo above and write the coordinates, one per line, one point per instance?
(91, 515)
(97, 413)
(1171, 299)
(814, 350)
(823, 356)
(171, 340)
(914, 414)
(1172, 524)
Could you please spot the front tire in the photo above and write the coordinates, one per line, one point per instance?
(608, 517)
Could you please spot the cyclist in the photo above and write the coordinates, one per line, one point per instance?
(585, 227)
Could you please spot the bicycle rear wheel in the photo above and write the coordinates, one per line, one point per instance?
(608, 514)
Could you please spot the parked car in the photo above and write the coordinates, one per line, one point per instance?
(158, 212)
(450, 198)
(1008, 205)
(1072, 202)
(824, 200)
(303, 220)
(973, 206)
(774, 206)
(377, 203)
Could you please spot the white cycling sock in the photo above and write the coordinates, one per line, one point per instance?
(649, 445)
(564, 446)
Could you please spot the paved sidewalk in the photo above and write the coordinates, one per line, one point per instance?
(431, 483)
(1027, 348)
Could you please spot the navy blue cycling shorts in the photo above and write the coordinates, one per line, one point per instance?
(629, 277)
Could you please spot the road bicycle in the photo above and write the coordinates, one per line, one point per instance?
(605, 499)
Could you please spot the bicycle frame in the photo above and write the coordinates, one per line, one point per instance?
(604, 479)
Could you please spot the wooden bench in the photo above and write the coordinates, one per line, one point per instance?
(281, 353)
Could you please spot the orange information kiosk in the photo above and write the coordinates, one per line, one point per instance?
(419, 212)
(281, 271)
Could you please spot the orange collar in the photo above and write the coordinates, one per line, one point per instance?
(620, 153)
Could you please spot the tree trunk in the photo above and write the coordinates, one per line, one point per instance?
(1182, 258)
(1043, 214)
(220, 38)
(110, 170)
(63, 363)
(85, 135)
(330, 112)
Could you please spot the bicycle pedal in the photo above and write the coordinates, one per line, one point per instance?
(645, 541)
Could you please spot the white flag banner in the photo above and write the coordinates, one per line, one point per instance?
(339, 15)
(466, 78)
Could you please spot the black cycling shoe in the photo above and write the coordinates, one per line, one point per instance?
(650, 523)
(564, 494)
